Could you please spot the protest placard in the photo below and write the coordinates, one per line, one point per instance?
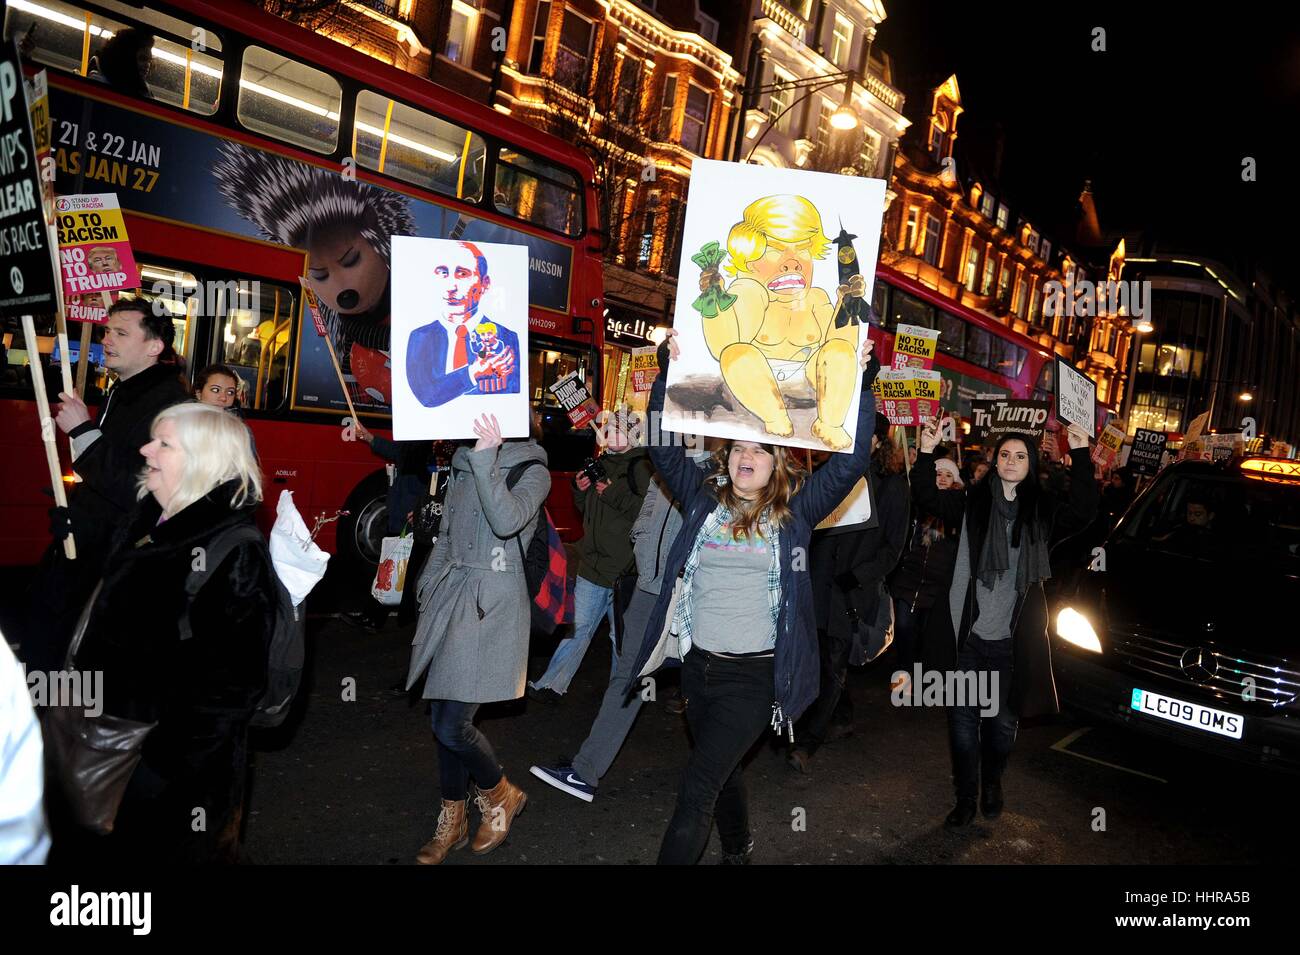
(908, 396)
(94, 254)
(644, 368)
(993, 417)
(1148, 451)
(27, 275)
(1076, 396)
(1108, 444)
(574, 398)
(459, 337)
(770, 341)
(914, 346)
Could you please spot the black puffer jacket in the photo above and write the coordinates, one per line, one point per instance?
(924, 573)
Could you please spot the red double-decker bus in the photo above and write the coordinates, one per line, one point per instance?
(976, 354)
(261, 153)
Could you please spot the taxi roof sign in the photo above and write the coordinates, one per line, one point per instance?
(1279, 470)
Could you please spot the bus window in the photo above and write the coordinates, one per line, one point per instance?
(979, 346)
(536, 192)
(952, 334)
(289, 101)
(254, 339)
(185, 67)
(405, 143)
(1008, 358)
(910, 310)
(880, 302)
(566, 447)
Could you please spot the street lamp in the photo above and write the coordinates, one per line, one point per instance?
(846, 117)
(1246, 396)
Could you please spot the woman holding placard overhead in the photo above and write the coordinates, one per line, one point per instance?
(997, 620)
(740, 613)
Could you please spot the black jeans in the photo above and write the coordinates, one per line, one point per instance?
(834, 653)
(728, 705)
(909, 625)
(982, 743)
(462, 750)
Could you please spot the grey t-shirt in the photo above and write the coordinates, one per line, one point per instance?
(996, 604)
(730, 607)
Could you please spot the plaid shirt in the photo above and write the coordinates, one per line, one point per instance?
(683, 619)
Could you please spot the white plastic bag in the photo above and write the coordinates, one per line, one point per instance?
(390, 577)
(298, 562)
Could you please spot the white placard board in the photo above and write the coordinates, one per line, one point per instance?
(459, 337)
(749, 371)
(1076, 397)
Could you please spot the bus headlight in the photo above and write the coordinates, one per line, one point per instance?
(1074, 627)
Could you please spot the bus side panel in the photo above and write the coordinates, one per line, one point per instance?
(24, 484)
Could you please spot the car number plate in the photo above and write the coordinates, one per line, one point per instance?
(1188, 714)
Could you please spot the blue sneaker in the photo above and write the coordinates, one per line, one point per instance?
(566, 780)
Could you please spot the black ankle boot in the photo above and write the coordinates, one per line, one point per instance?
(961, 815)
(743, 857)
(991, 800)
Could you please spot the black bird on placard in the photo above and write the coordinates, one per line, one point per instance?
(855, 310)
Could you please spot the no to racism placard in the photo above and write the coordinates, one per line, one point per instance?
(26, 263)
(1108, 444)
(94, 253)
(908, 396)
(914, 346)
(1076, 396)
(1148, 451)
(644, 369)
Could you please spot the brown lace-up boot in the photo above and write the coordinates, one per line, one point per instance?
(452, 833)
(499, 806)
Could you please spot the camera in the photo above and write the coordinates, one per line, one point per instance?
(594, 470)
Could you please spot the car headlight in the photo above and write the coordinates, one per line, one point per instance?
(1074, 627)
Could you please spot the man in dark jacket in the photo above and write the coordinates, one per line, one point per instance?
(106, 449)
(848, 570)
(609, 506)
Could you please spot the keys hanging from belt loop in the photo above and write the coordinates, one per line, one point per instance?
(777, 717)
(789, 728)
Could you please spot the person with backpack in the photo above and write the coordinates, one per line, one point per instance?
(471, 642)
(192, 661)
(608, 494)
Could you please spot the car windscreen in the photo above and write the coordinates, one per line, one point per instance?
(1220, 519)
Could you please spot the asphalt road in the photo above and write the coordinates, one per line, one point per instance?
(356, 782)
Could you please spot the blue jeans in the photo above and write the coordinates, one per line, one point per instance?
(462, 750)
(590, 603)
(981, 745)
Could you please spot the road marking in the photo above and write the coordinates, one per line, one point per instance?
(1061, 744)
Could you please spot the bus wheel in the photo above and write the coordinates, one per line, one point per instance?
(362, 532)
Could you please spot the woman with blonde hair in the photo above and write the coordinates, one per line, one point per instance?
(742, 611)
(193, 666)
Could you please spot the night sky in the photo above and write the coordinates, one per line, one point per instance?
(1160, 122)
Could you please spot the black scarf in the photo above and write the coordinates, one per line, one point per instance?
(1032, 565)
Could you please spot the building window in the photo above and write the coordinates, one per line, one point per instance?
(649, 225)
(870, 153)
(1022, 295)
(986, 205)
(841, 41)
(972, 267)
(627, 102)
(825, 109)
(909, 231)
(695, 119)
(460, 32)
(537, 51)
(666, 108)
(778, 104)
(1004, 281)
(986, 286)
(1003, 215)
(936, 141)
(1032, 241)
(932, 232)
(573, 55)
(708, 28)
(1046, 252)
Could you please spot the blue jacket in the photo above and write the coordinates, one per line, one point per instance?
(797, 662)
(426, 363)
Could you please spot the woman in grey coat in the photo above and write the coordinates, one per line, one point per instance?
(472, 638)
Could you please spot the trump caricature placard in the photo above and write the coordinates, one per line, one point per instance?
(776, 277)
(459, 337)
